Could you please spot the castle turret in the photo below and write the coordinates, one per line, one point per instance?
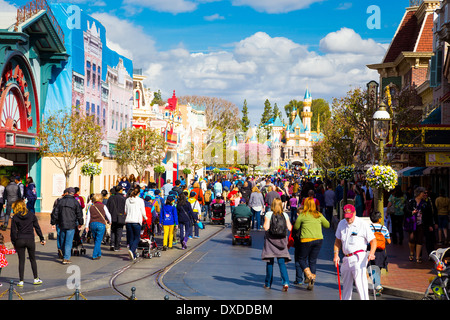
(307, 114)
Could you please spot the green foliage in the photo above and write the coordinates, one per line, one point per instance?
(157, 99)
(140, 148)
(245, 121)
(69, 138)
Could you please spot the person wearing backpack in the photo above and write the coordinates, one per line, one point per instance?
(276, 224)
(310, 223)
(383, 237)
(169, 221)
(209, 197)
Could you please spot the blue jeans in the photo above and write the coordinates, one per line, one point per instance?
(293, 214)
(30, 205)
(298, 268)
(309, 252)
(97, 232)
(133, 236)
(208, 211)
(185, 230)
(66, 242)
(256, 217)
(283, 272)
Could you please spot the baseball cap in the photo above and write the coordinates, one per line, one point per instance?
(349, 211)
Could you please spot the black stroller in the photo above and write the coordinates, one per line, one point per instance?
(76, 243)
(241, 230)
(438, 288)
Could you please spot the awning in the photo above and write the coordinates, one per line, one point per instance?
(402, 171)
(427, 171)
(414, 172)
(5, 162)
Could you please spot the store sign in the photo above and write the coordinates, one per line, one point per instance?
(438, 159)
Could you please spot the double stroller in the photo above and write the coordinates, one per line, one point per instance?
(438, 288)
(240, 230)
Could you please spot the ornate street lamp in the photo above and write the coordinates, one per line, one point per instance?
(346, 140)
(382, 123)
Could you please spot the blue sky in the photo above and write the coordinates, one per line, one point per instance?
(249, 49)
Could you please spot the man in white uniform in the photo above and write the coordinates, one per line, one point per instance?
(353, 235)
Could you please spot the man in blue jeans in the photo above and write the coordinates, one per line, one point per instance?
(68, 216)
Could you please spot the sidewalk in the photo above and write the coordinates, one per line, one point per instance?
(403, 278)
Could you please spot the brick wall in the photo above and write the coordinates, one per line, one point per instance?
(419, 76)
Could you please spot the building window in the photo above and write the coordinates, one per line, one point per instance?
(87, 108)
(436, 69)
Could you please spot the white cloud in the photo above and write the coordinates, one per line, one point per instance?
(348, 41)
(126, 38)
(8, 14)
(256, 68)
(172, 6)
(214, 17)
(345, 6)
(275, 6)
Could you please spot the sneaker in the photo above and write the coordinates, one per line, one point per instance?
(131, 255)
(20, 284)
(66, 261)
(37, 281)
(60, 254)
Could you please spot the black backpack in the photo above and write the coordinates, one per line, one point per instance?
(278, 226)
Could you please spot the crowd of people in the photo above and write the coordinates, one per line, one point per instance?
(303, 207)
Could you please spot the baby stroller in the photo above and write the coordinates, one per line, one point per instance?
(240, 230)
(439, 286)
(77, 242)
(147, 244)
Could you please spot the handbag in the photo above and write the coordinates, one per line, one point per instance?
(409, 225)
(200, 225)
(107, 225)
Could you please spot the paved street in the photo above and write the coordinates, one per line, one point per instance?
(220, 271)
(211, 269)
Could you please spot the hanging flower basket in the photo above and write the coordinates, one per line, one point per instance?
(91, 169)
(331, 173)
(345, 172)
(382, 177)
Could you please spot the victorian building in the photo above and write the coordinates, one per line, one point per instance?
(416, 62)
(183, 126)
(32, 52)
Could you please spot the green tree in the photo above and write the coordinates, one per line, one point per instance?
(319, 108)
(265, 117)
(140, 148)
(276, 112)
(157, 98)
(290, 107)
(245, 121)
(69, 138)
